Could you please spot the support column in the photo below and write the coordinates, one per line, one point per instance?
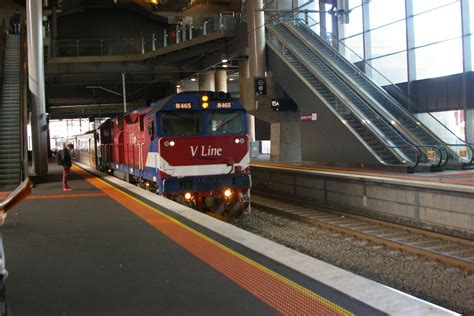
(244, 74)
(256, 38)
(206, 81)
(411, 61)
(54, 24)
(468, 95)
(221, 80)
(322, 20)
(39, 125)
(285, 142)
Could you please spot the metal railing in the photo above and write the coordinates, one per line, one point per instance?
(15, 197)
(176, 34)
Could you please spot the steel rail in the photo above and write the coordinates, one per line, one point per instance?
(340, 222)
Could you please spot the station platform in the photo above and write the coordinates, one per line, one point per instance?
(453, 177)
(440, 201)
(110, 248)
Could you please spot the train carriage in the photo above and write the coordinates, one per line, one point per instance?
(86, 149)
(191, 147)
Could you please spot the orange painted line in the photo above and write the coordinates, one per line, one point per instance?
(280, 293)
(62, 196)
(363, 173)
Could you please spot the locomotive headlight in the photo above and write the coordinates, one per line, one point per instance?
(188, 196)
(205, 105)
(228, 193)
(167, 143)
(237, 141)
(242, 140)
(172, 143)
(205, 98)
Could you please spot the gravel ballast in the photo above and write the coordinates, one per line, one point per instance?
(444, 285)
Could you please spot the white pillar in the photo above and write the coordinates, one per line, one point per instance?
(244, 74)
(256, 37)
(39, 127)
(221, 80)
(206, 81)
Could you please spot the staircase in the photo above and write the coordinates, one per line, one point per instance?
(10, 126)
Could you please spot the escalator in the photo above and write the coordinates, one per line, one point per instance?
(385, 142)
(10, 114)
(393, 109)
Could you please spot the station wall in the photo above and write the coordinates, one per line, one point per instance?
(106, 23)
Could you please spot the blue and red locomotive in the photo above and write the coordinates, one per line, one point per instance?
(191, 147)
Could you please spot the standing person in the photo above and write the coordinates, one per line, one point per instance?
(17, 22)
(11, 30)
(65, 161)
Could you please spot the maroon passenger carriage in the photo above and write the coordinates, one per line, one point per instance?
(191, 147)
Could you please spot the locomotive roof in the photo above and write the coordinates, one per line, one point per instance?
(168, 103)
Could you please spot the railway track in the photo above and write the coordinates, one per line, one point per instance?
(446, 249)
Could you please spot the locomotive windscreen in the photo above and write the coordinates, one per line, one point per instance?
(229, 122)
(180, 123)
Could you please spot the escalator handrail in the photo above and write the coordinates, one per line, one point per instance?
(414, 147)
(357, 113)
(298, 20)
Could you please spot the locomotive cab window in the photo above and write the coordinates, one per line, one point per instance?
(151, 129)
(228, 122)
(180, 123)
(142, 123)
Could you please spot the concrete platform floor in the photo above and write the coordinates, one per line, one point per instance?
(86, 252)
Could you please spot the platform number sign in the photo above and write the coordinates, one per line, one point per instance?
(260, 86)
(283, 104)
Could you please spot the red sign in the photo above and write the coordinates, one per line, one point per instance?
(309, 117)
(204, 150)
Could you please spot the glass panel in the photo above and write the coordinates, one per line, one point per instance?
(379, 15)
(356, 44)
(354, 3)
(328, 18)
(470, 5)
(355, 23)
(393, 67)
(454, 120)
(470, 38)
(437, 25)
(225, 122)
(388, 39)
(425, 5)
(439, 59)
(180, 123)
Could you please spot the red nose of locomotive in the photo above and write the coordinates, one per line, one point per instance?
(205, 150)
